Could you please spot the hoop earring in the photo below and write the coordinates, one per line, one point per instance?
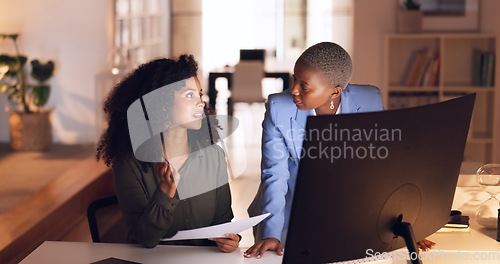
(331, 105)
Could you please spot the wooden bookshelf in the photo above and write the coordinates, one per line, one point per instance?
(458, 73)
(139, 28)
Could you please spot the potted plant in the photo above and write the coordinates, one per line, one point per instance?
(411, 5)
(29, 122)
(409, 17)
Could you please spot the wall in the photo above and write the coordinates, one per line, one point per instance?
(186, 28)
(74, 35)
(372, 21)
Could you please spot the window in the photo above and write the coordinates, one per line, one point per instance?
(140, 31)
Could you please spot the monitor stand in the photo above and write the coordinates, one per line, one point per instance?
(404, 230)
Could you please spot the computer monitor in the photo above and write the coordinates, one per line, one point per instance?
(363, 178)
(252, 54)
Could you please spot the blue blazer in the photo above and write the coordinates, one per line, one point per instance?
(282, 136)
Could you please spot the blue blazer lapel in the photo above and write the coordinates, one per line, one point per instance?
(297, 126)
(347, 103)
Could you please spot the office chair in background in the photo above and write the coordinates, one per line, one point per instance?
(247, 82)
(247, 77)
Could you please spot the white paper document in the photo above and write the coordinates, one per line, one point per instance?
(218, 230)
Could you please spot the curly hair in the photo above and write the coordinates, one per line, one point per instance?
(332, 60)
(143, 80)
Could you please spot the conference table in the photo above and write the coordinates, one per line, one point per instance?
(477, 246)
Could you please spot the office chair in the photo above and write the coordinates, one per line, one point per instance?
(113, 228)
(247, 77)
(247, 82)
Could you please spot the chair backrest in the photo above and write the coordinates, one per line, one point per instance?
(247, 82)
(252, 54)
(106, 225)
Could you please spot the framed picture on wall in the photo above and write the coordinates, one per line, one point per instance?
(450, 15)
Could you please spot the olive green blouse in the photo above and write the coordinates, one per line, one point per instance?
(203, 197)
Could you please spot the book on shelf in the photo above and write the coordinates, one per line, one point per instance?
(417, 68)
(410, 67)
(483, 68)
(476, 75)
(427, 75)
(434, 81)
(490, 67)
(422, 69)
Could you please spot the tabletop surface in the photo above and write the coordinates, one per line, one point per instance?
(477, 246)
(86, 252)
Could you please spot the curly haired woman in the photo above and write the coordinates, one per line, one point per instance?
(169, 175)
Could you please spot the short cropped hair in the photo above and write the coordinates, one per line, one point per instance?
(332, 60)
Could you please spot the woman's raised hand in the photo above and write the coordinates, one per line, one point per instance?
(168, 182)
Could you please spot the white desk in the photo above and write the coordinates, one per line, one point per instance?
(83, 252)
(471, 245)
(477, 246)
(452, 248)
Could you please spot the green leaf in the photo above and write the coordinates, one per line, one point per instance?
(11, 61)
(12, 36)
(41, 72)
(40, 94)
(7, 60)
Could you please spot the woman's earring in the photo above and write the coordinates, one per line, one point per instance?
(331, 105)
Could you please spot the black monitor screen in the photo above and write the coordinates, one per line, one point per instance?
(252, 54)
(359, 173)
